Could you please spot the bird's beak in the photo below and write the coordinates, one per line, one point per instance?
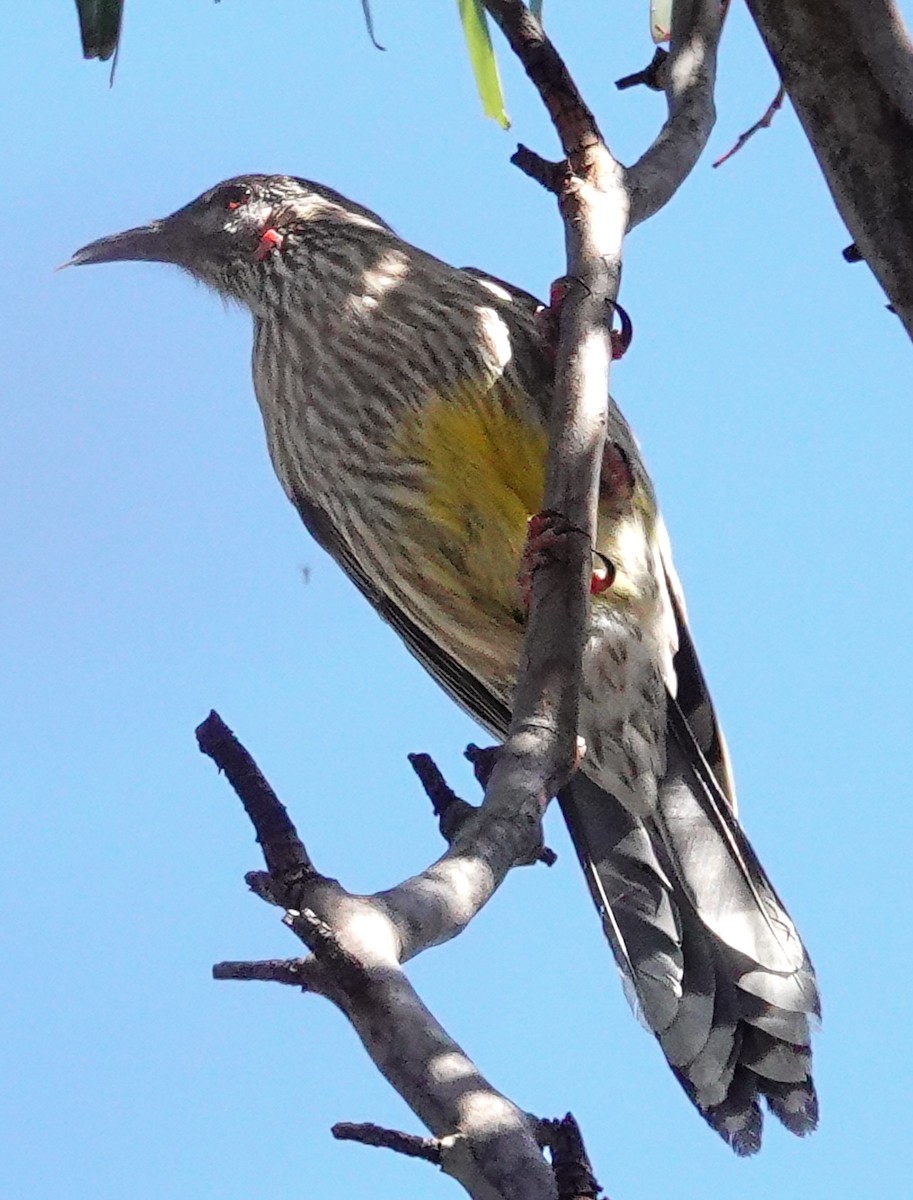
(147, 243)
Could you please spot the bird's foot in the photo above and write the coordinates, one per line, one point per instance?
(547, 536)
(548, 318)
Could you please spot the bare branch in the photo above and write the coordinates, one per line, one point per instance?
(550, 175)
(282, 848)
(290, 971)
(651, 76)
(570, 1162)
(357, 948)
(540, 752)
(428, 1149)
(861, 132)
(450, 810)
(688, 77)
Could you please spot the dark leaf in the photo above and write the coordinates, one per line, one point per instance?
(99, 26)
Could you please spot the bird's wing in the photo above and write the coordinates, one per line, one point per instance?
(691, 690)
(526, 300)
(457, 682)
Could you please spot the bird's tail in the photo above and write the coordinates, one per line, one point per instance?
(708, 953)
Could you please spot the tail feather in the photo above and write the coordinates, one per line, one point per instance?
(785, 1024)
(796, 1105)
(708, 1062)
(783, 1062)
(738, 1118)
(715, 862)
(634, 898)
(796, 993)
(704, 943)
(698, 1017)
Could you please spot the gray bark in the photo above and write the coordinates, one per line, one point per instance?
(848, 69)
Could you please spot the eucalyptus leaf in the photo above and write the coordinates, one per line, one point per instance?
(99, 26)
(661, 20)
(482, 57)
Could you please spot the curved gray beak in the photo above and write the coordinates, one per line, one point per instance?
(147, 243)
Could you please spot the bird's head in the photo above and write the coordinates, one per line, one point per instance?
(240, 236)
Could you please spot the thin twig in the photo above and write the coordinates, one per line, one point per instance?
(428, 1149)
(282, 848)
(650, 76)
(549, 175)
(450, 810)
(688, 78)
(369, 24)
(483, 760)
(291, 971)
(437, 789)
(763, 123)
(570, 1161)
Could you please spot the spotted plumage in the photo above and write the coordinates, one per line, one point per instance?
(405, 404)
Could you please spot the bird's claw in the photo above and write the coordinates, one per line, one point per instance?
(546, 537)
(548, 318)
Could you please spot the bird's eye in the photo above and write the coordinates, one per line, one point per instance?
(234, 196)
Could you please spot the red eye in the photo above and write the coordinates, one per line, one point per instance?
(234, 196)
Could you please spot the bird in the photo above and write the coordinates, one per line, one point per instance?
(405, 403)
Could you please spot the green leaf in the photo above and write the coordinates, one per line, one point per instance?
(661, 20)
(99, 26)
(482, 58)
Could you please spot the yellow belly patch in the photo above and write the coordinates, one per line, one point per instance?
(484, 468)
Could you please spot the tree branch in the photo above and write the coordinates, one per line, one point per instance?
(573, 121)
(689, 77)
(650, 76)
(282, 848)
(291, 971)
(570, 1161)
(357, 947)
(763, 122)
(540, 752)
(848, 70)
(599, 200)
(428, 1149)
(452, 811)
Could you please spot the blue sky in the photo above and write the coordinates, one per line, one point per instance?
(152, 570)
